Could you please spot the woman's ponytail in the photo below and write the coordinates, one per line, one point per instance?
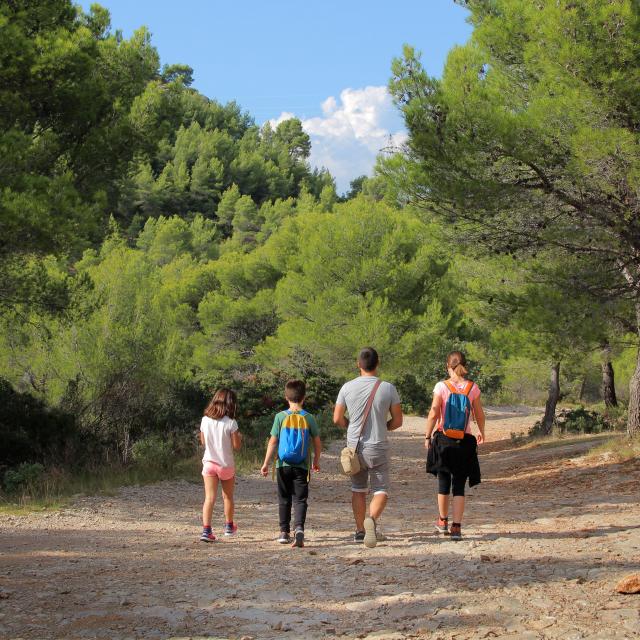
(457, 362)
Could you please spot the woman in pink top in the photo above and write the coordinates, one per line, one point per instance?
(453, 461)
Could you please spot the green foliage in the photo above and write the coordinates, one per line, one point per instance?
(25, 477)
(153, 451)
(32, 432)
(572, 421)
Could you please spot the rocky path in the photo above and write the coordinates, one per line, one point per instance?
(547, 535)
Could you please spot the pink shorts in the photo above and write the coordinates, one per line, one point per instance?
(215, 470)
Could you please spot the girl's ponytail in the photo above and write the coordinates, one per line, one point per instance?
(457, 362)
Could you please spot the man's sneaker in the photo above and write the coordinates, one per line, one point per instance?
(370, 538)
(207, 536)
(358, 536)
(380, 537)
(456, 532)
(298, 540)
(284, 537)
(230, 529)
(442, 525)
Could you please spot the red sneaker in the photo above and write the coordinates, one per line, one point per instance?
(207, 536)
(442, 525)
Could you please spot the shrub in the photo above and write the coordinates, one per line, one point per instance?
(25, 477)
(32, 432)
(153, 451)
(579, 420)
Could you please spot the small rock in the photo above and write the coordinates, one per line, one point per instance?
(277, 626)
(355, 561)
(486, 558)
(313, 553)
(124, 602)
(629, 584)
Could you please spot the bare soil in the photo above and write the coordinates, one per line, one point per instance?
(547, 535)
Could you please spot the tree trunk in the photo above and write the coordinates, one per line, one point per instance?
(552, 400)
(582, 388)
(608, 387)
(633, 419)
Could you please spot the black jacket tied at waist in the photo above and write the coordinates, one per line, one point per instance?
(457, 457)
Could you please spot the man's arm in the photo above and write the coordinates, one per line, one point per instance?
(271, 449)
(201, 438)
(317, 450)
(396, 417)
(338, 416)
(432, 418)
(236, 440)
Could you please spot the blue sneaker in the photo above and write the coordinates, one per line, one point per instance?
(230, 529)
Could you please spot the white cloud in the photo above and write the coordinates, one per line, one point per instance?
(351, 132)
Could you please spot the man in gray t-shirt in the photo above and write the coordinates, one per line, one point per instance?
(370, 440)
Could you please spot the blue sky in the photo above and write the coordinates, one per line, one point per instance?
(324, 62)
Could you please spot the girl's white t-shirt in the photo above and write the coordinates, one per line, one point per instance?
(217, 440)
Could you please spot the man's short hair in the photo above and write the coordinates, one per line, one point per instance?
(368, 359)
(294, 390)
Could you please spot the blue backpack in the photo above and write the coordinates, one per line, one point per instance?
(457, 411)
(293, 442)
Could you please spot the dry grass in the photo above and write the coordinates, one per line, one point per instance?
(619, 448)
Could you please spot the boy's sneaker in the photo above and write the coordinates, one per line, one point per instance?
(298, 540)
(230, 529)
(358, 536)
(284, 537)
(370, 537)
(207, 536)
(442, 525)
(456, 532)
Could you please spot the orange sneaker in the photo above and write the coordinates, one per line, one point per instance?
(442, 525)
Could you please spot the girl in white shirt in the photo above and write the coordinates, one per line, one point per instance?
(219, 436)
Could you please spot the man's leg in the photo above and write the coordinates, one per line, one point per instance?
(284, 498)
(380, 482)
(359, 490)
(378, 503)
(300, 494)
(378, 462)
(359, 506)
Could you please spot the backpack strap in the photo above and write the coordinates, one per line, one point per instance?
(451, 386)
(367, 409)
(468, 387)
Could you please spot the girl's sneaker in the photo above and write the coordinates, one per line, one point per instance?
(207, 536)
(456, 532)
(442, 525)
(230, 529)
(284, 537)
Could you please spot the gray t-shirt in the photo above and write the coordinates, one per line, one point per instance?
(354, 395)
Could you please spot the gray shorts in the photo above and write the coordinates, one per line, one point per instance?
(374, 465)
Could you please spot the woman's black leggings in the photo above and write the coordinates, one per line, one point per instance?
(445, 480)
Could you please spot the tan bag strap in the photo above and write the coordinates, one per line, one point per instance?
(367, 409)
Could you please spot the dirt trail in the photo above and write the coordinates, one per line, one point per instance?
(547, 535)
